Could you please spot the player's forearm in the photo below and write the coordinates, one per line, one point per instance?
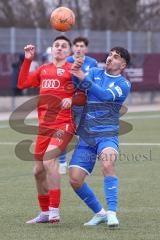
(99, 92)
(24, 74)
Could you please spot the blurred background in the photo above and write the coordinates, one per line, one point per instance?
(106, 23)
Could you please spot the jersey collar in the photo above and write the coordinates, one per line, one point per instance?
(113, 76)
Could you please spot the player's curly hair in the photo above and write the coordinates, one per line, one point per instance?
(123, 53)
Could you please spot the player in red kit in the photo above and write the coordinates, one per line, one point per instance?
(56, 123)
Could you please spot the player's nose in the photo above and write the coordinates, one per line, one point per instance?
(108, 60)
(59, 47)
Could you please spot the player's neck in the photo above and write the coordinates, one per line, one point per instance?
(113, 72)
(59, 63)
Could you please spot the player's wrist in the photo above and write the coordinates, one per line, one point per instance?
(28, 59)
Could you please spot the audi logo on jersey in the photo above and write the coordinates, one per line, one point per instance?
(50, 83)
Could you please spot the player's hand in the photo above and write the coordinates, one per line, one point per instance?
(66, 103)
(78, 73)
(29, 51)
(77, 63)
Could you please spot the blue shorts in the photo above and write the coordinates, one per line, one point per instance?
(84, 155)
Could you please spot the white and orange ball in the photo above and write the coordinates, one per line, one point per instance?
(62, 19)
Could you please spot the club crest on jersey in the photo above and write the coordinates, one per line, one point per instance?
(60, 71)
(44, 71)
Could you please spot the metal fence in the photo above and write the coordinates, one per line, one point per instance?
(13, 40)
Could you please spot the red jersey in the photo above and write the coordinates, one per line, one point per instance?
(55, 84)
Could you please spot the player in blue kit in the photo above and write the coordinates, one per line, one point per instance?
(98, 130)
(80, 49)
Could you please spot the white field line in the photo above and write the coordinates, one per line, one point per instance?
(122, 118)
(140, 144)
(121, 144)
(141, 117)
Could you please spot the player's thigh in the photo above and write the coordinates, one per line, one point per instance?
(57, 145)
(41, 145)
(84, 157)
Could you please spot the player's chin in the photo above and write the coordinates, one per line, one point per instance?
(108, 67)
(62, 56)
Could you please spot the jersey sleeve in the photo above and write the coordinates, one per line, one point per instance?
(118, 92)
(70, 59)
(26, 80)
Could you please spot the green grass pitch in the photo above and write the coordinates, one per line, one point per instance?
(139, 195)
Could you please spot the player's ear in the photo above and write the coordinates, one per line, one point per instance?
(123, 65)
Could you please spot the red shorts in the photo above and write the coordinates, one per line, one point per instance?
(52, 141)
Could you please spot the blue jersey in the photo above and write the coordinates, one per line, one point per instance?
(87, 65)
(105, 95)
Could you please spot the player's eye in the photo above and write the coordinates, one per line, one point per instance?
(64, 46)
(116, 56)
(56, 45)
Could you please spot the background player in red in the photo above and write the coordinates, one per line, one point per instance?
(56, 124)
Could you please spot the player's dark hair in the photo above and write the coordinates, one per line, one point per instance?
(63, 38)
(123, 53)
(81, 39)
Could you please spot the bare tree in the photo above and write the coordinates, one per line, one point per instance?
(149, 16)
(125, 15)
(113, 14)
(7, 16)
(25, 13)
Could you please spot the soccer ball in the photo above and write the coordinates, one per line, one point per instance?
(62, 19)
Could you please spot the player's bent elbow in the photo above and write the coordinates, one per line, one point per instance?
(79, 100)
(83, 100)
(19, 86)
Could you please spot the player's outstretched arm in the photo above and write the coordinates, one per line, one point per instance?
(24, 79)
(109, 94)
